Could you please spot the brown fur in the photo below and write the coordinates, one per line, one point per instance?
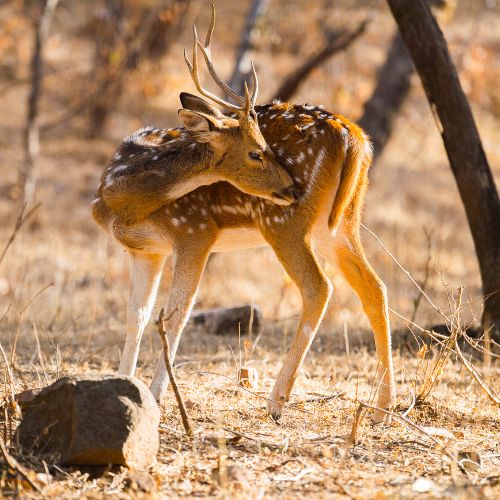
(327, 157)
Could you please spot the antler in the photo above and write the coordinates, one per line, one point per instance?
(245, 103)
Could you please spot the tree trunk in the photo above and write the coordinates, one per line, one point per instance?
(26, 175)
(429, 51)
(242, 67)
(391, 90)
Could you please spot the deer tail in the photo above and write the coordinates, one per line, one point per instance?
(358, 158)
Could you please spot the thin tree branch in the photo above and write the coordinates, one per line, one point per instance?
(166, 353)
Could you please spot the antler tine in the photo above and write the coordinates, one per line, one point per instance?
(210, 31)
(243, 103)
(207, 53)
(255, 89)
(248, 102)
(221, 83)
(193, 71)
(188, 62)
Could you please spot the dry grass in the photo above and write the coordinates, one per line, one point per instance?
(310, 449)
(70, 283)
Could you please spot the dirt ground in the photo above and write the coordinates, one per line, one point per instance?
(63, 284)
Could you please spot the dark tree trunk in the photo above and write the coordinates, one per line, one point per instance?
(391, 90)
(429, 51)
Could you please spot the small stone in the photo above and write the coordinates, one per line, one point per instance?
(470, 459)
(92, 419)
(140, 480)
(424, 485)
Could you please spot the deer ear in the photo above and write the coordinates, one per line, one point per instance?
(204, 128)
(195, 103)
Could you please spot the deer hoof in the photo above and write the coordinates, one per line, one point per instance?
(275, 406)
(380, 417)
(386, 402)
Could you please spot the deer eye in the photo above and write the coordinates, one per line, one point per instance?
(255, 155)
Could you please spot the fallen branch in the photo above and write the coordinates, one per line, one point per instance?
(166, 353)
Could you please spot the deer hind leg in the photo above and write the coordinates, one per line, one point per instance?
(145, 274)
(372, 292)
(301, 265)
(188, 266)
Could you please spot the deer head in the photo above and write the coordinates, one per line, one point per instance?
(241, 154)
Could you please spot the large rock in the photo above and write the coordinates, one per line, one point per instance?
(92, 420)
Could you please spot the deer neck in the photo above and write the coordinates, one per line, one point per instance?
(195, 170)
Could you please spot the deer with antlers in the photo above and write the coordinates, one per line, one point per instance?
(155, 213)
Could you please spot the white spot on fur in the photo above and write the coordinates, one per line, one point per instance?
(175, 222)
(318, 162)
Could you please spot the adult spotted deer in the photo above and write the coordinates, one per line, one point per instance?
(326, 155)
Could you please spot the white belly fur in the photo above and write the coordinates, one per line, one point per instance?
(238, 239)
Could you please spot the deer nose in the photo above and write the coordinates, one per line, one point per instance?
(291, 193)
(286, 196)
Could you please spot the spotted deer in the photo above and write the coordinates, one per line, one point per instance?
(327, 157)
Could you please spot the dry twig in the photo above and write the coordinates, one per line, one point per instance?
(363, 407)
(166, 353)
(429, 383)
(454, 325)
(21, 219)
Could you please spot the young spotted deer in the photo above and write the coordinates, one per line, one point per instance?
(328, 157)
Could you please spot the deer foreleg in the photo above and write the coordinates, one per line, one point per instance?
(188, 265)
(145, 274)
